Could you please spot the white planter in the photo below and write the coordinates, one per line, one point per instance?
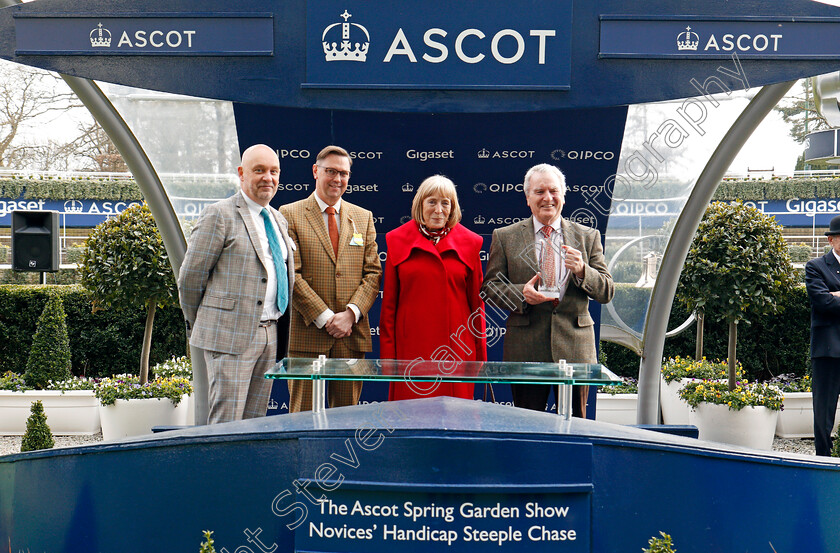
(797, 418)
(135, 417)
(674, 410)
(72, 413)
(617, 408)
(750, 427)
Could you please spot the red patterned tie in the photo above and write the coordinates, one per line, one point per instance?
(333, 228)
(547, 268)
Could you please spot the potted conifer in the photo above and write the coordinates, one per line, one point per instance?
(67, 400)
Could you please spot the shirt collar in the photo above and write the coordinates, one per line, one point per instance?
(323, 205)
(253, 206)
(837, 257)
(555, 225)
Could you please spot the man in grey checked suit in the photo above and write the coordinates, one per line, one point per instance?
(236, 295)
(542, 328)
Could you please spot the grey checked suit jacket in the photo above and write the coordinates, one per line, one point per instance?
(543, 332)
(223, 278)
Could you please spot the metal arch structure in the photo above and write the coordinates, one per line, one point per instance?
(656, 323)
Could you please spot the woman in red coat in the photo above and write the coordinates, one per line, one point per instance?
(430, 305)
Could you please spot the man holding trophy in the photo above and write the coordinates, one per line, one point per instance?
(544, 270)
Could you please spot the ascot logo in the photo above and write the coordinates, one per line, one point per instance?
(100, 38)
(407, 187)
(479, 220)
(688, 40)
(73, 206)
(345, 47)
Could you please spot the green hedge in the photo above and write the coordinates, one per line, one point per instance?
(103, 343)
(778, 189)
(771, 345)
(98, 189)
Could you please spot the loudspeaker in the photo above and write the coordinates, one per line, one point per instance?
(35, 241)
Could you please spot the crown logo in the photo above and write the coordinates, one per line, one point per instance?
(407, 187)
(479, 220)
(73, 206)
(483, 153)
(272, 404)
(100, 38)
(345, 49)
(687, 40)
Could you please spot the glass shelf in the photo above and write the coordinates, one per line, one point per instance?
(479, 372)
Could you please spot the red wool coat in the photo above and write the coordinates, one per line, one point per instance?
(430, 292)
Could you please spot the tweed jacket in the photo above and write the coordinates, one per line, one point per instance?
(223, 278)
(822, 276)
(324, 280)
(543, 332)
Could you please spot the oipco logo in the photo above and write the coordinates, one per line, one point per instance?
(598, 155)
(294, 154)
(480, 187)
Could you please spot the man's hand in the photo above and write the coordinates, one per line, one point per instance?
(341, 324)
(574, 261)
(532, 296)
(835, 294)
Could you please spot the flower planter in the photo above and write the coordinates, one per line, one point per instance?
(616, 408)
(797, 419)
(750, 427)
(72, 413)
(135, 417)
(674, 410)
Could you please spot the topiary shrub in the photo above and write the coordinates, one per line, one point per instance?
(125, 266)
(38, 434)
(738, 267)
(49, 357)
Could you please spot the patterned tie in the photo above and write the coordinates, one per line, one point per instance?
(333, 228)
(547, 269)
(279, 263)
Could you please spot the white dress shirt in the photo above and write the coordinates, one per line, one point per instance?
(270, 311)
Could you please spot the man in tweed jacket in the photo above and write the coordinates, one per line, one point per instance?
(336, 279)
(228, 287)
(541, 328)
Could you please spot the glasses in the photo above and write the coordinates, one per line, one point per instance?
(333, 172)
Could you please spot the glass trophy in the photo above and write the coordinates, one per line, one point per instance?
(549, 284)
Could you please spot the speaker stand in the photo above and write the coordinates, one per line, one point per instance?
(43, 277)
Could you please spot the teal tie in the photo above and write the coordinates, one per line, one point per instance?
(279, 263)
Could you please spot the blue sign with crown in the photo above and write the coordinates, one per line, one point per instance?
(687, 37)
(381, 44)
(155, 34)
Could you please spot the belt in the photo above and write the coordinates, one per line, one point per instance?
(269, 322)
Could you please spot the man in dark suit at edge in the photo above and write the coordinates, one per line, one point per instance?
(822, 280)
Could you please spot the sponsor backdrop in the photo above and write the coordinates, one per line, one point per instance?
(486, 155)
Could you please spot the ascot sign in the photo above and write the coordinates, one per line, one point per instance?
(377, 45)
(145, 34)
